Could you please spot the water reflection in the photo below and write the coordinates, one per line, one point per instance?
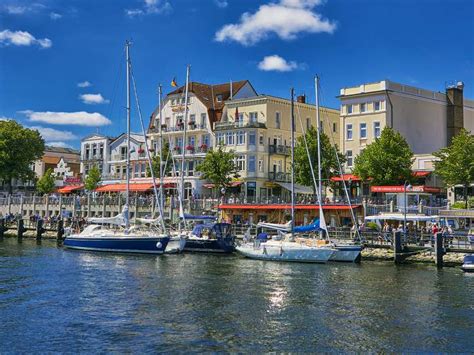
(127, 303)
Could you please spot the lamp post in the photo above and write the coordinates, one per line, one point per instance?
(406, 185)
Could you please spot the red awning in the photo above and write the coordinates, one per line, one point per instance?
(123, 187)
(421, 173)
(70, 188)
(401, 188)
(285, 207)
(345, 177)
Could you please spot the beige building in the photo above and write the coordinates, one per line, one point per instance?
(258, 130)
(427, 119)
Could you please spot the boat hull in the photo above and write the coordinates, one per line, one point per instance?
(285, 252)
(225, 246)
(347, 253)
(140, 245)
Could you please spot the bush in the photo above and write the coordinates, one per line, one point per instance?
(372, 225)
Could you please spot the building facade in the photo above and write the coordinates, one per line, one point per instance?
(258, 130)
(427, 119)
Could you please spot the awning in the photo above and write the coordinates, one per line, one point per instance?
(70, 188)
(401, 188)
(345, 177)
(285, 207)
(299, 189)
(419, 174)
(123, 187)
(401, 217)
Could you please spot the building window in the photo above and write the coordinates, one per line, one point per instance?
(203, 120)
(253, 117)
(363, 130)
(192, 118)
(173, 102)
(252, 138)
(240, 162)
(308, 123)
(349, 158)
(219, 98)
(230, 138)
(240, 138)
(349, 131)
(349, 109)
(376, 129)
(220, 138)
(277, 120)
(260, 165)
(87, 151)
(261, 140)
(251, 163)
(206, 140)
(377, 106)
(191, 140)
(362, 107)
(123, 153)
(190, 168)
(334, 126)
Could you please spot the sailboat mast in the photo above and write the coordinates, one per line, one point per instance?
(127, 196)
(318, 123)
(185, 122)
(162, 166)
(292, 160)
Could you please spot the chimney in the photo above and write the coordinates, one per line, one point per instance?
(455, 108)
(301, 99)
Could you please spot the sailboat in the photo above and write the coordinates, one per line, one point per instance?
(115, 234)
(284, 246)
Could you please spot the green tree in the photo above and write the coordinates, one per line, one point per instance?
(155, 162)
(456, 162)
(92, 179)
(218, 167)
(45, 184)
(329, 164)
(388, 160)
(19, 148)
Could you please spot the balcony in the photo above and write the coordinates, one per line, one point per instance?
(192, 126)
(279, 149)
(279, 176)
(222, 126)
(93, 157)
(119, 157)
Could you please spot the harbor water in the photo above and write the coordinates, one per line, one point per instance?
(57, 300)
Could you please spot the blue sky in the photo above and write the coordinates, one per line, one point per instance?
(48, 47)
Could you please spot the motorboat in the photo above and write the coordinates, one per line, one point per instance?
(211, 238)
(468, 263)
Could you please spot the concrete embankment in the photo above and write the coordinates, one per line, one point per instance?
(450, 259)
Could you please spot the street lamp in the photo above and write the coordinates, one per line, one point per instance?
(406, 185)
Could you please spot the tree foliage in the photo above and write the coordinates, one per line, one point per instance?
(388, 160)
(92, 179)
(155, 162)
(329, 164)
(45, 184)
(218, 167)
(456, 162)
(19, 148)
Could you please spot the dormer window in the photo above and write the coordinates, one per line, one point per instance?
(219, 98)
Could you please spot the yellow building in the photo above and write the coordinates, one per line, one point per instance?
(427, 119)
(258, 130)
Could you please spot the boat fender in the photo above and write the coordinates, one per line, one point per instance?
(159, 245)
(264, 250)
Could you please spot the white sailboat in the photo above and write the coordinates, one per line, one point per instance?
(115, 234)
(285, 247)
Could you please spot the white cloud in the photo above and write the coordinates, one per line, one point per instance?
(276, 63)
(3, 118)
(221, 3)
(150, 7)
(286, 19)
(55, 16)
(84, 84)
(51, 134)
(22, 38)
(14, 9)
(59, 144)
(93, 99)
(81, 118)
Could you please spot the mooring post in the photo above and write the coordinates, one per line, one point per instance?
(9, 199)
(397, 247)
(103, 205)
(89, 214)
(439, 249)
(136, 205)
(39, 229)
(2, 228)
(20, 229)
(60, 230)
(47, 205)
(21, 205)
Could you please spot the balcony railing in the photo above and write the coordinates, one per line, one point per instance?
(180, 128)
(279, 176)
(238, 124)
(93, 157)
(279, 149)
